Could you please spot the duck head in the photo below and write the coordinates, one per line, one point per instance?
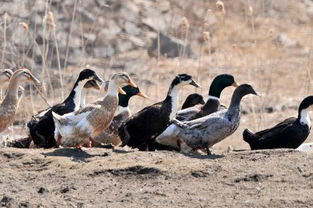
(5, 76)
(220, 82)
(121, 79)
(130, 92)
(303, 112)
(183, 80)
(239, 93)
(245, 89)
(92, 84)
(25, 75)
(88, 74)
(192, 100)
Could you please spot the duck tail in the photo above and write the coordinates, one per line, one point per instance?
(56, 118)
(124, 135)
(248, 136)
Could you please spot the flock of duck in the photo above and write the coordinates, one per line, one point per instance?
(108, 122)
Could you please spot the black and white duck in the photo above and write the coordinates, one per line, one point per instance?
(41, 127)
(290, 133)
(81, 127)
(110, 135)
(193, 100)
(212, 105)
(140, 130)
(206, 131)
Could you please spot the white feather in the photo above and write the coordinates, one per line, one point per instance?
(305, 117)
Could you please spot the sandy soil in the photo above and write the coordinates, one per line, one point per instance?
(124, 178)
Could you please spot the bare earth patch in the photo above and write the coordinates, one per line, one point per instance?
(120, 178)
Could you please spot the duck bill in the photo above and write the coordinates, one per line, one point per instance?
(141, 94)
(34, 79)
(256, 93)
(92, 84)
(97, 78)
(235, 84)
(193, 83)
(7, 74)
(121, 91)
(132, 83)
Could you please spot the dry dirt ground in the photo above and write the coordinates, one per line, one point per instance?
(127, 178)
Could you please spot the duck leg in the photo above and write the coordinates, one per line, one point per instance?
(208, 151)
(183, 147)
(78, 146)
(58, 143)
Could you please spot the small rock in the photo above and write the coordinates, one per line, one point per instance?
(284, 40)
(6, 201)
(42, 190)
(65, 190)
(170, 47)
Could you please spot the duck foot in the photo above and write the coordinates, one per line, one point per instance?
(58, 143)
(208, 151)
(79, 146)
(183, 147)
(89, 144)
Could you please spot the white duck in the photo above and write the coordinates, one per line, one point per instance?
(80, 127)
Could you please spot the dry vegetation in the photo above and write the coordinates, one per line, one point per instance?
(267, 43)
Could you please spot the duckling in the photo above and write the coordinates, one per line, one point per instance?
(11, 100)
(193, 100)
(290, 133)
(206, 131)
(212, 105)
(5, 77)
(140, 130)
(41, 127)
(110, 135)
(82, 126)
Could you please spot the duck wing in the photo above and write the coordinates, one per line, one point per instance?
(207, 131)
(211, 106)
(139, 130)
(187, 113)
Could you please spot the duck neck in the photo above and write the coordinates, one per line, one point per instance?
(122, 109)
(76, 94)
(234, 107)
(83, 98)
(304, 117)
(123, 100)
(172, 95)
(112, 89)
(215, 89)
(12, 93)
(207, 105)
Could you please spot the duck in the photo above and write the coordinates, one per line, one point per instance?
(204, 132)
(213, 104)
(290, 133)
(41, 127)
(11, 101)
(139, 131)
(193, 100)
(110, 135)
(5, 77)
(81, 127)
